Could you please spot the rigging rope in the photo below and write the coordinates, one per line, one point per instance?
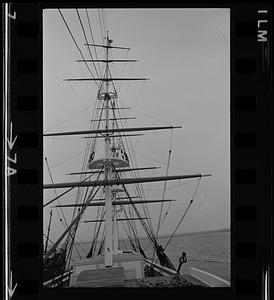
(95, 239)
(104, 19)
(90, 149)
(159, 161)
(139, 188)
(74, 228)
(100, 212)
(129, 237)
(67, 191)
(134, 231)
(47, 236)
(150, 234)
(69, 118)
(83, 29)
(164, 190)
(76, 95)
(77, 219)
(183, 216)
(53, 243)
(92, 37)
(147, 229)
(101, 25)
(66, 159)
(77, 45)
(66, 224)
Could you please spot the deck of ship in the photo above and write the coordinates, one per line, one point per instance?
(164, 281)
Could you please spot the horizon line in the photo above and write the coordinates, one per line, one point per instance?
(180, 233)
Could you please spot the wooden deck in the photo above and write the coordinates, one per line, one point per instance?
(92, 273)
(112, 277)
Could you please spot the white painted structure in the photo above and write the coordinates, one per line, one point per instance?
(132, 263)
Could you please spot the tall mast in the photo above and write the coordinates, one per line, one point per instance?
(115, 228)
(108, 204)
(106, 93)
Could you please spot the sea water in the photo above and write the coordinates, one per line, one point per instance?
(208, 251)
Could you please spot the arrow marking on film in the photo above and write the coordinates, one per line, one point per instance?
(11, 290)
(10, 141)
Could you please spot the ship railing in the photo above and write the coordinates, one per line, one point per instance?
(205, 277)
(209, 279)
(59, 280)
(161, 269)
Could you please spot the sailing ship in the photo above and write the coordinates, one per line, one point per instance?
(110, 182)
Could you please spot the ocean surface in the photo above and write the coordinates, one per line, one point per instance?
(209, 251)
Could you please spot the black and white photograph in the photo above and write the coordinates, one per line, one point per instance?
(136, 147)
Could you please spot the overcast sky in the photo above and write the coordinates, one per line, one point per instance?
(186, 55)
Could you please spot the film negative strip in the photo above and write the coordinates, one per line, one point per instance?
(252, 76)
(251, 146)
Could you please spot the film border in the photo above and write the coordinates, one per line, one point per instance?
(251, 142)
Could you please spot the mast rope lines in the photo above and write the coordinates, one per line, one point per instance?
(165, 185)
(79, 17)
(139, 188)
(95, 234)
(101, 27)
(92, 37)
(73, 223)
(164, 191)
(133, 229)
(47, 236)
(77, 46)
(67, 191)
(144, 205)
(143, 202)
(51, 178)
(77, 219)
(164, 260)
(183, 216)
(129, 236)
(72, 234)
(63, 215)
(147, 229)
